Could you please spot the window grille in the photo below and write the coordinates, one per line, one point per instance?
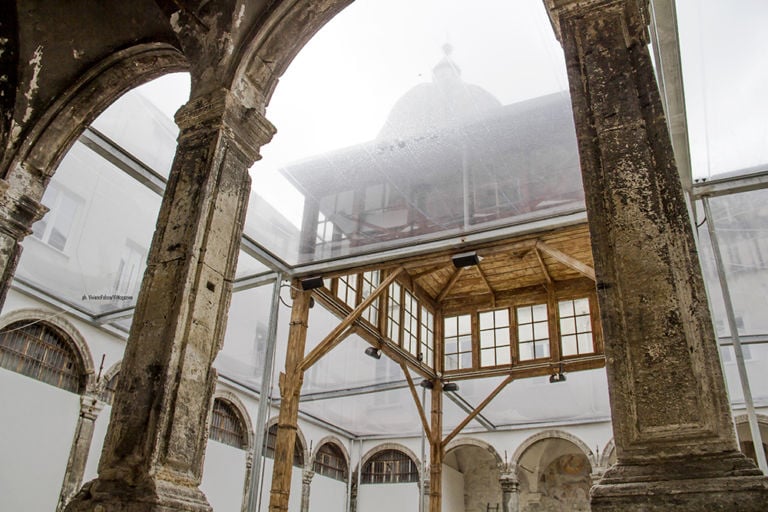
(227, 425)
(411, 323)
(269, 447)
(330, 462)
(346, 289)
(371, 281)
(393, 312)
(427, 338)
(39, 351)
(390, 467)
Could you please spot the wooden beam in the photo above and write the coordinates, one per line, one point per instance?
(477, 410)
(488, 284)
(566, 260)
(332, 339)
(543, 266)
(452, 281)
(415, 395)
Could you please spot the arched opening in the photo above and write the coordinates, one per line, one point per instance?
(298, 447)
(227, 426)
(330, 461)
(472, 482)
(744, 434)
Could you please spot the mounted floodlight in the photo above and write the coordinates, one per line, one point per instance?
(310, 283)
(450, 386)
(426, 384)
(466, 259)
(373, 352)
(557, 377)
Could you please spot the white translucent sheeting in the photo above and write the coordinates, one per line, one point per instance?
(91, 248)
(405, 139)
(245, 341)
(756, 361)
(141, 121)
(249, 266)
(741, 223)
(725, 72)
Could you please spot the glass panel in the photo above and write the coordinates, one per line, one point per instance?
(486, 339)
(525, 332)
(526, 351)
(487, 358)
(581, 306)
(503, 356)
(524, 315)
(569, 346)
(585, 343)
(502, 317)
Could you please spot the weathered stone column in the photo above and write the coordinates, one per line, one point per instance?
(153, 453)
(306, 486)
(675, 443)
(90, 407)
(290, 389)
(18, 212)
(510, 491)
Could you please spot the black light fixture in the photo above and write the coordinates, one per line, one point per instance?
(426, 384)
(373, 352)
(450, 386)
(466, 259)
(310, 283)
(558, 376)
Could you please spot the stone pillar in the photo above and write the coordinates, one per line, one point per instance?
(290, 389)
(153, 453)
(90, 407)
(675, 443)
(510, 491)
(18, 212)
(306, 484)
(247, 483)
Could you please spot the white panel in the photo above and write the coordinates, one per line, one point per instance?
(388, 497)
(294, 502)
(327, 495)
(224, 476)
(97, 443)
(38, 425)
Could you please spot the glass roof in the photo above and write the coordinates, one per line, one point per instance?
(352, 152)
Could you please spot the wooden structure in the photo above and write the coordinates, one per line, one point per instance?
(404, 307)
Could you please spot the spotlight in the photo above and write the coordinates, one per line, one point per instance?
(450, 386)
(310, 283)
(557, 377)
(426, 384)
(373, 352)
(466, 259)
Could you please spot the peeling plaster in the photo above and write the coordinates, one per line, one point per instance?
(36, 64)
(240, 16)
(175, 22)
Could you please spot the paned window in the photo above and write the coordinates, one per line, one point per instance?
(410, 323)
(37, 350)
(390, 467)
(575, 327)
(494, 338)
(330, 462)
(346, 289)
(271, 443)
(427, 340)
(458, 342)
(55, 227)
(227, 425)
(371, 281)
(393, 312)
(533, 332)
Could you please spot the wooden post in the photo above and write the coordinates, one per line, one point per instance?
(436, 450)
(290, 389)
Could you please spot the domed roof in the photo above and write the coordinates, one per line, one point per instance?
(445, 102)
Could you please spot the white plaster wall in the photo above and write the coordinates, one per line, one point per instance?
(388, 497)
(294, 502)
(38, 424)
(327, 495)
(453, 490)
(224, 476)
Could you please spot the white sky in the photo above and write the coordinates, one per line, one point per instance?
(341, 86)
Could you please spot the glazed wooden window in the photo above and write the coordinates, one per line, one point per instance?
(39, 351)
(346, 289)
(410, 323)
(370, 282)
(390, 467)
(427, 337)
(269, 447)
(226, 425)
(458, 342)
(532, 332)
(575, 327)
(393, 312)
(330, 462)
(494, 338)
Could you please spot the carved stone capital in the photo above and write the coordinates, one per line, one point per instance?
(90, 407)
(306, 476)
(509, 482)
(223, 110)
(634, 15)
(18, 212)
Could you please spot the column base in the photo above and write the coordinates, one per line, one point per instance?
(722, 483)
(154, 496)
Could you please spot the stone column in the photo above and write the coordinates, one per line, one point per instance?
(510, 491)
(306, 484)
(153, 453)
(290, 389)
(675, 443)
(90, 407)
(18, 212)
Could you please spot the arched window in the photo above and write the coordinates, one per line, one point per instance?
(226, 425)
(330, 462)
(269, 447)
(40, 351)
(107, 394)
(390, 467)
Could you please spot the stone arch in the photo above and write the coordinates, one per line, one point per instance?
(553, 434)
(388, 446)
(102, 384)
(337, 443)
(608, 455)
(233, 400)
(469, 441)
(744, 434)
(68, 331)
(54, 133)
(299, 435)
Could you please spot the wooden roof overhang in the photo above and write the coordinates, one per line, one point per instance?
(533, 268)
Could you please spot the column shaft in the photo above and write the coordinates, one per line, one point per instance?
(290, 389)
(436, 450)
